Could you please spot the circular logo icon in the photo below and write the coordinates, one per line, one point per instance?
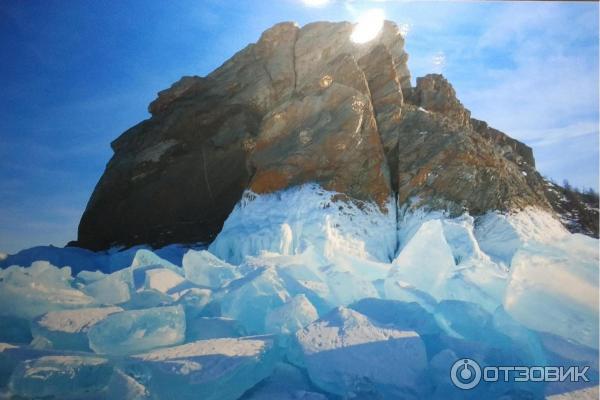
(465, 373)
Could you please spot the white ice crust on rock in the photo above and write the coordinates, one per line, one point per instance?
(290, 221)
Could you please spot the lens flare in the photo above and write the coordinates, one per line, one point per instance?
(368, 26)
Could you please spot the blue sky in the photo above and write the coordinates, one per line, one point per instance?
(76, 74)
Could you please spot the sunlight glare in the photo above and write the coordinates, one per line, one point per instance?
(368, 26)
(315, 3)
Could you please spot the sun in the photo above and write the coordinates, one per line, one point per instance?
(315, 3)
(368, 26)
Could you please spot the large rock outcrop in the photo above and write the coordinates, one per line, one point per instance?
(448, 160)
(303, 105)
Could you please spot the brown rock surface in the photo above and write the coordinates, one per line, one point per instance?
(293, 108)
(434, 93)
(447, 165)
(387, 99)
(302, 105)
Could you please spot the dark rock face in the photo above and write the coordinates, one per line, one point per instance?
(303, 105)
(184, 167)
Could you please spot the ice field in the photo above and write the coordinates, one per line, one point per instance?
(303, 297)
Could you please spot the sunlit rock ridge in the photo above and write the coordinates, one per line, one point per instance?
(307, 105)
